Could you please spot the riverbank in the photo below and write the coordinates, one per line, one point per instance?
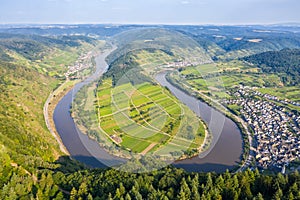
(246, 157)
(226, 148)
(49, 108)
(56, 96)
(85, 103)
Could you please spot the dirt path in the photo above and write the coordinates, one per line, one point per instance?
(35, 179)
(148, 148)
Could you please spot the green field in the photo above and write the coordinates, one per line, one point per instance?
(220, 80)
(291, 93)
(217, 78)
(147, 118)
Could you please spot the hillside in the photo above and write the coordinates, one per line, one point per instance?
(33, 167)
(231, 42)
(25, 142)
(47, 55)
(171, 42)
(285, 62)
(152, 49)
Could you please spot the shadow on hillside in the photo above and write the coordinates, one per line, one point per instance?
(66, 164)
(204, 167)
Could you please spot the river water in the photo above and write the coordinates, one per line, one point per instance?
(223, 154)
(226, 147)
(79, 145)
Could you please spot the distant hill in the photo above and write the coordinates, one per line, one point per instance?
(35, 47)
(172, 42)
(147, 48)
(231, 42)
(49, 55)
(220, 42)
(285, 62)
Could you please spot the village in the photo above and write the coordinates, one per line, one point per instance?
(276, 130)
(83, 62)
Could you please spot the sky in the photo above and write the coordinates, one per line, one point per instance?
(149, 11)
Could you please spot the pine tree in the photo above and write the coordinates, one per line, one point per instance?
(59, 196)
(118, 194)
(164, 198)
(291, 196)
(127, 197)
(278, 195)
(82, 191)
(215, 194)
(185, 192)
(195, 193)
(122, 189)
(181, 195)
(73, 194)
(12, 195)
(89, 197)
(245, 188)
(220, 182)
(40, 194)
(109, 197)
(259, 197)
(209, 184)
(282, 181)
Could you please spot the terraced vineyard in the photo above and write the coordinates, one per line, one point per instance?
(135, 114)
(146, 118)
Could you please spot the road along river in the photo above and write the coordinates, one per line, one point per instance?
(224, 153)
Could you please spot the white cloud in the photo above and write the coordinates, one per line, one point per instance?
(185, 2)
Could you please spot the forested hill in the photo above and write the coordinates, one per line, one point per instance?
(285, 62)
(176, 184)
(32, 166)
(30, 68)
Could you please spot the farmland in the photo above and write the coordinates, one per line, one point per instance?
(147, 118)
(216, 78)
(251, 94)
(133, 113)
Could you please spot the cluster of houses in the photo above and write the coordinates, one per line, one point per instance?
(179, 64)
(276, 130)
(83, 62)
(185, 63)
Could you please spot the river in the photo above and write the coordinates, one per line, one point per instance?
(226, 147)
(79, 145)
(224, 153)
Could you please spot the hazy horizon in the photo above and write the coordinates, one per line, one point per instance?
(155, 12)
(154, 24)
